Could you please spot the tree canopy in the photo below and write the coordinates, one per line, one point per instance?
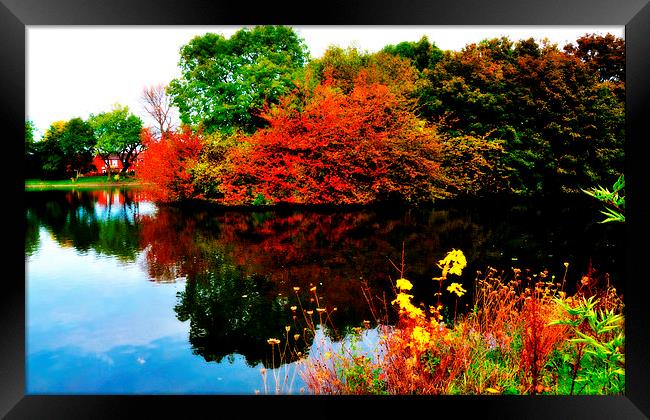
(118, 133)
(226, 82)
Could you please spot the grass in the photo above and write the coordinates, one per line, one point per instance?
(81, 182)
(524, 335)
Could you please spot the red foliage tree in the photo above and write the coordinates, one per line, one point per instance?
(167, 163)
(329, 147)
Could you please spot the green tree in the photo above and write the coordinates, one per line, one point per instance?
(423, 54)
(118, 133)
(226, 82)
(29, 133)
(49, 153)
(32, 159)
(77, 143)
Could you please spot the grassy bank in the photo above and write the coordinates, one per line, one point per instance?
(83, 182)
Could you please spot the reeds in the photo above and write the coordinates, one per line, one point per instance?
(523, 335)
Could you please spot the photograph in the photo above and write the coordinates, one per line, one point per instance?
(344, 210)
(295, 212)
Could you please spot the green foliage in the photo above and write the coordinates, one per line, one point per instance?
(77, 144)
(49, 152)
(600, 337)
(423, 54)
(614, 200)
(226, 83)
(118, 133)
(29, 133)
(260, 200)
(359, 373)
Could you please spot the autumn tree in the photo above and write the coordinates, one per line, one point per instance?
(562, 126)
(157, 104)
(604, 54)
(167, 163)
(340, 68)
(331, 147)
(117, 133)
(226, 82)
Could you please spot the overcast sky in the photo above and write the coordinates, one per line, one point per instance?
(76, 71)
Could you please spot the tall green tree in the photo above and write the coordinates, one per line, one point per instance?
(77, 144)
(227, 82)
(32, 164)
(49, 152)
(118, 133)
(29, 133)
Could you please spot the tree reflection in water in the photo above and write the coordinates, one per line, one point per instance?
(241, 267)
(106, 221)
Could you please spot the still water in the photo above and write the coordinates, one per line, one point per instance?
(127, 297)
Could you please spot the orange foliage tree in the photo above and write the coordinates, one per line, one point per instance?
(325, 146)
(167, 163)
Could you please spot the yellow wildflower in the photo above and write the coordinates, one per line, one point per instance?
(456, 288)
(404, 302)
(320, 309)
(296, 288)
(403, 284)
(296, 337)
(312, 289)
(293, 308)
(453, 263)
(287, 328)
(273, 341)
(421, 337)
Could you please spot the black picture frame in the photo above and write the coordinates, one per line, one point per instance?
(15, 15)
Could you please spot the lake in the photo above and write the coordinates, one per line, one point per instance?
(128, 297)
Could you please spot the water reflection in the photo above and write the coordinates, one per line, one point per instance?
(106, 221)
(234, 272)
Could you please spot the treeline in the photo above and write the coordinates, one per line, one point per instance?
(68, 148)
(264, 123)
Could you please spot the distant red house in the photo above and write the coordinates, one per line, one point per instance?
(100, 167)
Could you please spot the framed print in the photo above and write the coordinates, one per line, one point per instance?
(369, 207)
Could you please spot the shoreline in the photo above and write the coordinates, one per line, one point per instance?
(85, 185)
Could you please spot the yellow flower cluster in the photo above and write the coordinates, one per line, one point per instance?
(404, 302)
(453, 263)
(421, 337)
(403, 284)
(456, 288)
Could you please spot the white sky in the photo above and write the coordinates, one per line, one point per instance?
(73, 71)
